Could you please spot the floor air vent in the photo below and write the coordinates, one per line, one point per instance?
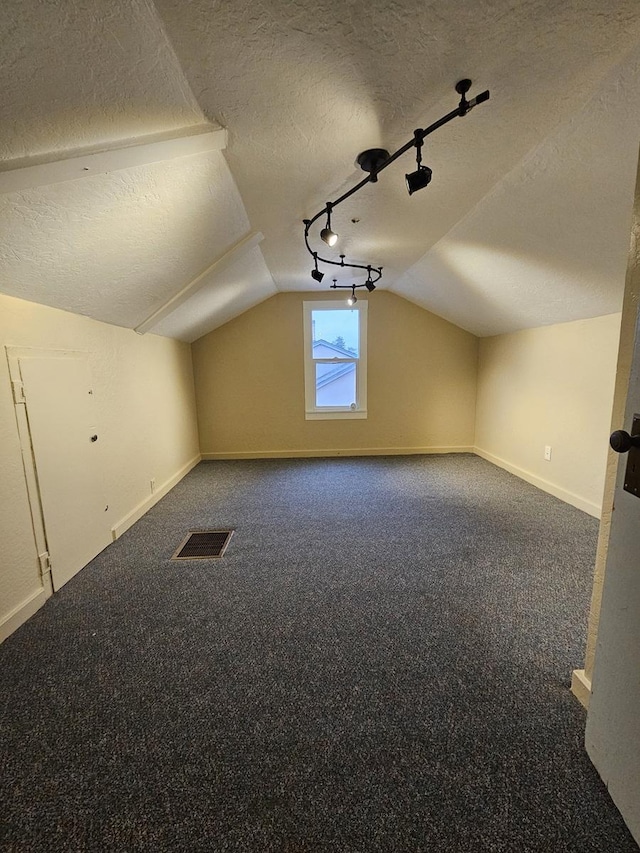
(203, 545)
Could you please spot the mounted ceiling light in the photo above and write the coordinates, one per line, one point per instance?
(419, 179)
(315, 273)
(329, 237)
(373, 161)
(353, 298)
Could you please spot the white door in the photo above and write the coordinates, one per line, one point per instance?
(613, 721)
(66, 452)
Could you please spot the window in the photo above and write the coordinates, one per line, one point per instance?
(335, 359)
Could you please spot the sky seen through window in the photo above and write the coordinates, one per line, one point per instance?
(341, 323)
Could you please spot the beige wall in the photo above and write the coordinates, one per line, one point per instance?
(250, 383)
(550, 386)
(146, 415)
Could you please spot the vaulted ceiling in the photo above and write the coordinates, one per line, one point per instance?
(157, 159)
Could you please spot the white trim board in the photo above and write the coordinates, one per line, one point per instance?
(581, 687)
(59, 166)
(144, 506)
(544, 485)
(19, 615)
(352, 451)
(219, 265)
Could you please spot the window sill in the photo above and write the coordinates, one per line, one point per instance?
(336, 415)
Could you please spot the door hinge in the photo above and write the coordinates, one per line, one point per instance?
(18, 391)
(45, 563)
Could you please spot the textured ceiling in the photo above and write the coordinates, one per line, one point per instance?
(77, 72)
(549, 243)
(525, 222)
(118, 246)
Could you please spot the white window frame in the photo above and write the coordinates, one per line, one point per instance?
(313, 412)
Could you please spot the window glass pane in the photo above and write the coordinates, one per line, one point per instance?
(335, 384)
(335, 333)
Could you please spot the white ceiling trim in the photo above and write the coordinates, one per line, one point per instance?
(242, 247)
(43, 170)
(245, 282)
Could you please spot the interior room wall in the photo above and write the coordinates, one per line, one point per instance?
(550, 386)
(145, 408)
(249, 382)
(431, 385)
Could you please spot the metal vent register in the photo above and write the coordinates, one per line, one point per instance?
(203, 545)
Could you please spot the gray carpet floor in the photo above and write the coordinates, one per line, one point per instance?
(380, 662)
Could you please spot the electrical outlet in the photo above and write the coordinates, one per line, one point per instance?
(153, 485)
(547, 452)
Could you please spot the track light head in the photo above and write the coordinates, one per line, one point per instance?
(329, 237)
(419, 179)
(369, 282)
(352, 300)
(317, 275)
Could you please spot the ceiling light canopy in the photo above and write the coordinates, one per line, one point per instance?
(373, 161)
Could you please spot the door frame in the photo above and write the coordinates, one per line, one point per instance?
(581, 678)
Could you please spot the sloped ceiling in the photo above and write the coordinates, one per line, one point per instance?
(548, 243)
(526, 220)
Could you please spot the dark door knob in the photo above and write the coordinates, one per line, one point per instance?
(94, 438)
(621, 441)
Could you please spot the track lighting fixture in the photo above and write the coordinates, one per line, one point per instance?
(329, 237)
(353, 298)
(315, 273)
(419, 179)
(369, 282)
(373, 161)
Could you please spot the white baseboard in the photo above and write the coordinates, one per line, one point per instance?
(353, 451)
(144, 506)
(581, 687)
(546, 486)
(19, 615)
